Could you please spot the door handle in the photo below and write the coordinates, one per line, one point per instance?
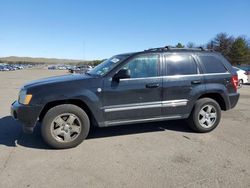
(196, 82)
(152, 85)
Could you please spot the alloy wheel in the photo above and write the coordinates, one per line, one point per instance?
(207, 116)
(66, 127)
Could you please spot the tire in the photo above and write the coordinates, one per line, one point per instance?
(200, 120)
(240, 83)
(65, 126)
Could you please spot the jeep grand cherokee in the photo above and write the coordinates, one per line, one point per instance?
(152, 85)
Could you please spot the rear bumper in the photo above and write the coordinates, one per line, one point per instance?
(27, 115)
(233, 99)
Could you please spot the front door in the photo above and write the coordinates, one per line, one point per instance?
(135, 98)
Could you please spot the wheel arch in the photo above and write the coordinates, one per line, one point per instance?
(217, 97)
(76, 102)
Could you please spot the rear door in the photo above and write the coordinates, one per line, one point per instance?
(182, 83)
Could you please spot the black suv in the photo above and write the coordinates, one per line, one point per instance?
(152, 85)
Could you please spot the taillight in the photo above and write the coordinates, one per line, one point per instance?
(234, 81)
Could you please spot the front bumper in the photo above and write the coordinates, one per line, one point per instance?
(25, 114)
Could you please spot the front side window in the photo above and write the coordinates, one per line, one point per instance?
(143, 66)
(212, 64)
(180, 64)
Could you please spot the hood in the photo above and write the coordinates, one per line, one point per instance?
(57, 79)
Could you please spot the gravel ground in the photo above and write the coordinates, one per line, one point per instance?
(164, 154)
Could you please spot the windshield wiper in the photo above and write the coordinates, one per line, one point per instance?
(96, 75)
(88, 73)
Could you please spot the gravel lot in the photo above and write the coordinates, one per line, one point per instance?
(165, 154)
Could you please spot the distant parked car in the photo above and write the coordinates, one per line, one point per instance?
(80, 69)
(3, 68)
(10, 67)
(52, 67)
(242, 76)
(18, 67)
(245, 68)
(62, 67)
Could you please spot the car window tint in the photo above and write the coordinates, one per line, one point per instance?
(180, 64)
(212, 64)
(143, 66)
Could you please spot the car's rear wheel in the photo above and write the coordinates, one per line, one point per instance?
(65, 126)
(205, 116)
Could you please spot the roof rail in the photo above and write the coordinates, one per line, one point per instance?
(168, 48)
(156, 49)
(160, 48)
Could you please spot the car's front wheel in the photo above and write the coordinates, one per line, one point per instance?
(205, 116)
(65, 126)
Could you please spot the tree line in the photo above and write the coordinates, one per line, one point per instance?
(235, 49)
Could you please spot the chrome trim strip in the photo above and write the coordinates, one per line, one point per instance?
(190, 75)
(126, 79)
(132, 108)
(142, 120)
(157, 104)
(178, 76)
(175, 103)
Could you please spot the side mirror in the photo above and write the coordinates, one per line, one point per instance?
(122, 74)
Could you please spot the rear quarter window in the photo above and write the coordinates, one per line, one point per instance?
(212, 64)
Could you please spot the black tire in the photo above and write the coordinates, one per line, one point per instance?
(240, 83)
(193, 119)
(57, 111)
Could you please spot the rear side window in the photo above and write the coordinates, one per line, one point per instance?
(212, 64)
(180, 64)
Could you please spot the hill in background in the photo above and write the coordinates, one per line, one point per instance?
(32, 60)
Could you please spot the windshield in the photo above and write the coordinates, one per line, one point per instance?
(107, 65)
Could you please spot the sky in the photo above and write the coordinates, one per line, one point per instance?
(98, 29)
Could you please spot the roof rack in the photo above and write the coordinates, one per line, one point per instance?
(168, 48)
(156, 49)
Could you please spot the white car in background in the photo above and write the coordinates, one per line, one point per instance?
(242, 76)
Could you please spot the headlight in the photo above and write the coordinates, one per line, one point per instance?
(24, 98)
